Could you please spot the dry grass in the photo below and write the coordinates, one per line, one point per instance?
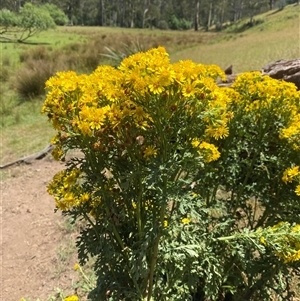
(278, 37)
(29, 81)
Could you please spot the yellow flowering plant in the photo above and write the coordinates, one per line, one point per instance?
(256, 179)
(167, 158)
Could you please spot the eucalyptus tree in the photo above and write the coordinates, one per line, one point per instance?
(175, 14)
(28, 22)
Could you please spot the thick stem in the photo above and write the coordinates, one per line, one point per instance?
(139, 208)
(156, 242)
(155, 255)
(92, 224)
(124, 252)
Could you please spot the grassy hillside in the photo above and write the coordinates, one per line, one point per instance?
(277, 37)
(24, 130)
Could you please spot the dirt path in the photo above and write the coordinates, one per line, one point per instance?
(30, 233)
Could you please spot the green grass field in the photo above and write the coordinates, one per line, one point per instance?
(24, 130)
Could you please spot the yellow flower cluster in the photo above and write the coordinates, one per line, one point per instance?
(206, 150)
(121, 111)
(185, 220)
(292, 132)
(66, 189)
(120, 102)
(71, 298)
(285, 239)
(292, 241)
(261, 94)
(292, 174)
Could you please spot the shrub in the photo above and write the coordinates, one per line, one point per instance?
(4, 74)
(37, 53)
(30, 79)
(174, 23)
(32, 20)
(177, 24)
(7, 19)
(162, 24)
(184, 24)
(124, 51)
(56, 13)
(91, 59)
(6, 61)
(191, 191)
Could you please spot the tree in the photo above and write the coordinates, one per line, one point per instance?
(56, 13)
(30, 21)
(33, 20)
(7, 19)
(151, 13)
(8, 22)
(12, 5)
(253, 7)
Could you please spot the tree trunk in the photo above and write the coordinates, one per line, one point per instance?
(209, 16)
(122, 14)
(197, 15)
(145, 9)
(222, 13)
(102, 12)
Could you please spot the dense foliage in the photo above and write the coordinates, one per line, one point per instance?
(157, 13)
(29, 21)
(191, 191)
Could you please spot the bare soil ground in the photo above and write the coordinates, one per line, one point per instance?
(30, 234)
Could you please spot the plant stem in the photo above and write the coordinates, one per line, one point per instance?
(93, 225)
(139, 207)
(156, 242)
(123, 251)
(154, 260)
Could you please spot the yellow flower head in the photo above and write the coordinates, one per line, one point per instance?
(76, 266)
(150, 151)
(71, 298)
(185, 221)
(298, 190)
(57, 153)
(290, 173)
(217, 132)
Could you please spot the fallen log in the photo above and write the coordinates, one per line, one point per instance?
(287, 70)
(28, 159)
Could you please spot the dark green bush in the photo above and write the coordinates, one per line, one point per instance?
(162, 24)
(179, 24)
(57, 14)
